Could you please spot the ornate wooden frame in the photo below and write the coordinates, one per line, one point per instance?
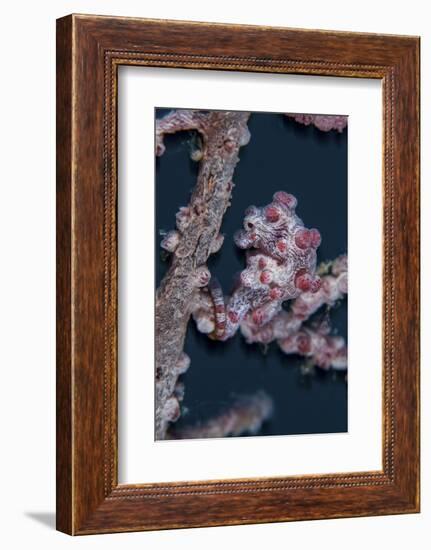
(89, 51)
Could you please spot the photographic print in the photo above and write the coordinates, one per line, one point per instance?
(251, 273)
(226, 383)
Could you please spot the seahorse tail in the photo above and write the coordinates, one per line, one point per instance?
(217, 297)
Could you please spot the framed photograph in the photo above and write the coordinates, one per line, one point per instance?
(237, 274)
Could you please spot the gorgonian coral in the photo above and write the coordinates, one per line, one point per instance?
(197, 235)
(245, 416)
(317, 345)
(280, 256)
(325, 123)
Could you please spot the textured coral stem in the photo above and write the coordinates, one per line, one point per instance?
(325, 123)
(245, 416)
(195, 238)
(316, 344)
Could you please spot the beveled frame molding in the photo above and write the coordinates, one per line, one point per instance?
(89, 51)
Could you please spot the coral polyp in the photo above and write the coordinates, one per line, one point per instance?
(325, 123)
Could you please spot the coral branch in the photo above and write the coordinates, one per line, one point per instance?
(245, 416)
(315, 343)
(325, 123)
(176, 121)
(196, 237)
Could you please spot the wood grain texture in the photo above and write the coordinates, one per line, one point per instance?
(90, 49)
(64, 496)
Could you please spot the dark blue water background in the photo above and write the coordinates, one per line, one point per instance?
(312, 165)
